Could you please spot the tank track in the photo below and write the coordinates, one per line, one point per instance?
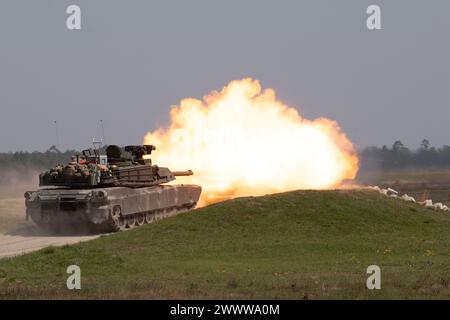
(116, 222)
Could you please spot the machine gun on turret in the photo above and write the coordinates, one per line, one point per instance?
(138, 152)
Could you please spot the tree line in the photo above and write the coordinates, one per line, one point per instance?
(371, 158)
(35, 160)
(399, 156)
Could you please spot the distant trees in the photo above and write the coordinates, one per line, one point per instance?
(399, 156)
(371, 158)
(33, 160)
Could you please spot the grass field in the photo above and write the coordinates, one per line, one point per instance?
(295, 245)
(408, 175)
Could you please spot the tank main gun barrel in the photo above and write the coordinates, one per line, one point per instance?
(182, 173)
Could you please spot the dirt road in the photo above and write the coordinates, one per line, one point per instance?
(18, 236)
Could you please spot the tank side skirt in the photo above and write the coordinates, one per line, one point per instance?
(136, 206)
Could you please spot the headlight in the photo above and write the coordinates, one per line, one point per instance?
(100, 194)
(28, 195)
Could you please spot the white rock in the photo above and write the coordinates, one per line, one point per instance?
(407, 198)
(392, 191)
(428, 203)
(439, 206)
(394, 194)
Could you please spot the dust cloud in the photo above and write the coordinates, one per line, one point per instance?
(17, 235)
(13, 184)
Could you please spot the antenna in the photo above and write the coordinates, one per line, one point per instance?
(57, 134)
(103, 131)
(97, 143)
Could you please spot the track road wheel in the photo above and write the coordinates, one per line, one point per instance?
(159, 215)
(149, 217)
(117, 219)
(192, 205)
(140, 219)
(131, 221)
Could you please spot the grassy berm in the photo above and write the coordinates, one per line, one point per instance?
(295, 245)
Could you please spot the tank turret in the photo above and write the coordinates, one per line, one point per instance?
(130, 166)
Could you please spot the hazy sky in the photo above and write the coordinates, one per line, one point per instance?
(132, 60)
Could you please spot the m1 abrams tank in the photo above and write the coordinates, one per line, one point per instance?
(108, 192)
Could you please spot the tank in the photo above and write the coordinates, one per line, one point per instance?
(108, 190)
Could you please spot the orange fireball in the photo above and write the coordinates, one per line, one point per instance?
(243, 141)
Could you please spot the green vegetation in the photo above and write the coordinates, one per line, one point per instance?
(401, 157)
(314, 244)
(35, 160)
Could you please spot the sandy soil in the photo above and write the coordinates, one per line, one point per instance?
(18, 236)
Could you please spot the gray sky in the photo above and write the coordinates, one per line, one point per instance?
(132, 60)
